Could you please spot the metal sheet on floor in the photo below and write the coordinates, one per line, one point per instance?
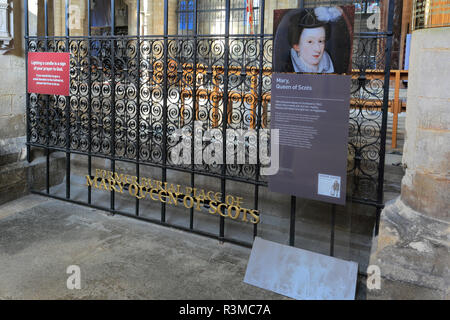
(300, 274)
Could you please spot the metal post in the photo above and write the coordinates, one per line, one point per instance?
(89, 100)
(258, 115)
(113, 99)
(377, 220)
(387, 70)
(294, 198)
(47, 107)
(292, 225)
(67, 110)
(333, 225)
(165, 97)
(194, 110)
(27, 34)
(138, 100)
(225, 112)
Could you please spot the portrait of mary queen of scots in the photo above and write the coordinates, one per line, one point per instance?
(313, 40)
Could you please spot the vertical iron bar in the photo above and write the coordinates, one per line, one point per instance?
(294, 198)
(113, 99)
(67, 111)
(46, 22)
(258, 115)
(255, 226)
(138, 90)
(225, 112)
(377, 220)
(387, 71)
(47, 108)
(165, 96)
(27, 34)
(89, 99)
(194, 102)
(333, 226)
(292, 226)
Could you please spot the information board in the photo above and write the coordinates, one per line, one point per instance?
(312, 115)
(48, 73)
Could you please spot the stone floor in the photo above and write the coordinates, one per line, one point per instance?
(119, 258)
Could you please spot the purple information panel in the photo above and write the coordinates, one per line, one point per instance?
(312, 114)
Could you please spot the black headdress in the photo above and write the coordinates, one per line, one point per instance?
(311, 18)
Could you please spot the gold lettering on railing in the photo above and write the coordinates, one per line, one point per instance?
(165, 192)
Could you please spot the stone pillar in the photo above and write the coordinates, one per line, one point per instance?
(6, 26)
(132, 17)
(59, 18)
(270, 6)
(156, 18)
(173, 17)
(412, 250)
(426, 156)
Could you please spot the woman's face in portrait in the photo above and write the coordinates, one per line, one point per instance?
(311, 45)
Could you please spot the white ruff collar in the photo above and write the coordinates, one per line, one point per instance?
(325, 64)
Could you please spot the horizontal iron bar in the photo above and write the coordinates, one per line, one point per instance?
(118, 37)
(373, 33)
(218, 9)
(174, 36)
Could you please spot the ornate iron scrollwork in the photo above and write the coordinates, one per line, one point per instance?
(144, 78)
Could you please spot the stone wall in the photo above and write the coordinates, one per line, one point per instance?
(12, 113)
(12, 86)
(15, 172)
(12, 96)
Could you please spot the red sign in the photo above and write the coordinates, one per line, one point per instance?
(48, 73)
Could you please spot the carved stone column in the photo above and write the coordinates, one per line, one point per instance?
(413, 245)
(132, 16)
(6, 26)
